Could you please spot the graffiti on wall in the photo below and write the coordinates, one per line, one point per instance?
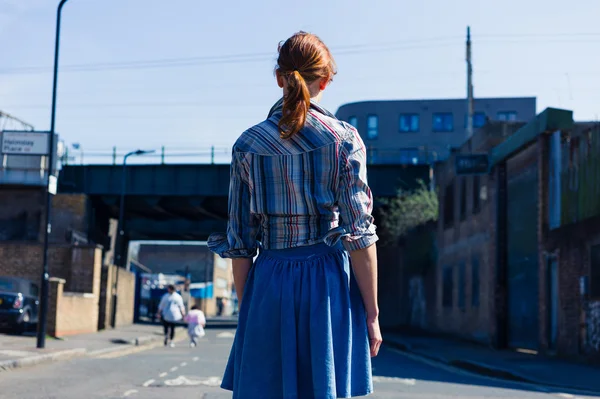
(593, 326)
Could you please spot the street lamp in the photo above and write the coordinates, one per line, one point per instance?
(120, 230)
(45, 285)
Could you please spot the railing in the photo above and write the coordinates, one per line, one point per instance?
(222, 155)
(163, 155)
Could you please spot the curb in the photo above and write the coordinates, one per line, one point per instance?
(28, 361)
(483, 369)
(8, 365)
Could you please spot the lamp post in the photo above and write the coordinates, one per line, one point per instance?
(120, 230)
(45, 283)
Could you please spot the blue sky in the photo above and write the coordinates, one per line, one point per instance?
(150, 73)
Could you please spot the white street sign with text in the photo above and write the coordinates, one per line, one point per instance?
(25, 143)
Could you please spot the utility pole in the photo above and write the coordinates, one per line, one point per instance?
(45, 279)
(469, 87)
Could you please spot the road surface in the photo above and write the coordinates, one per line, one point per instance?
(184, 372)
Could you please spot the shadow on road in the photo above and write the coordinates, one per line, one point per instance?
(393, 364)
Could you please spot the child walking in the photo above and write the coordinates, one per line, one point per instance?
(196, 323)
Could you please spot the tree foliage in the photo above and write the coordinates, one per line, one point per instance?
(409, 209)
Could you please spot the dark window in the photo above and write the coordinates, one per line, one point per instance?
(34, 290)
(507, 116)
(474, 282)
(443, 122)
(461, 285)
(449, 205)
(372, 127)
(409, 123)
(353, 120)
(447, 287)
(595, 272)
(479, 119)
(476, 194)
(463, 198)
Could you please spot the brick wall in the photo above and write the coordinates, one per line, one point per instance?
(125, 297)
(71, 313)
(69, 212)
(25, 260)
(21, 213)
(469, 243)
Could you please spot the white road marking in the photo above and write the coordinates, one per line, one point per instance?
(196, 359)
(566, 395)
(129, 393)
(193, 381)
(174, 369)
(183, 364)
(226, 334)
(405, 381)
(161, 375)
(148, 383)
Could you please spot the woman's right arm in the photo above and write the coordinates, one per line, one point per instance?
(357, 230)
(364, 265)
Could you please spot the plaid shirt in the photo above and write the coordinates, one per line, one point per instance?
(308, 189)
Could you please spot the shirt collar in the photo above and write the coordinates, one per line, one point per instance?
(278, 106)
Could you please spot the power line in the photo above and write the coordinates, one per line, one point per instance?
(227, 59)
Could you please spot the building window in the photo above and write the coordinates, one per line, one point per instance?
(476, 194)
(449, 205)
(461, 285)
(443, 122)
(507, 116)
(409, 123)
(475, 282)
(372, 127)
(463, 198)
(447, 287)
(479, 119)
(595, 272)
(353, 120)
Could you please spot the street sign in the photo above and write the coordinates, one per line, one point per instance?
(16, 142)
(52, 184)
(472, 164)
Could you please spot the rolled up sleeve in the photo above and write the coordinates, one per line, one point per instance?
(354, 199)
(242, 227)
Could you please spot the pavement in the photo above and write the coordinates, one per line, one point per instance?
(20, 350)
(154, 371)
(519, 366)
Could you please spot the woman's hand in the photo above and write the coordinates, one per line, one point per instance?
(375, 338)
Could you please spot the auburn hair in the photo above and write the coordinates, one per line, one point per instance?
(303, 59)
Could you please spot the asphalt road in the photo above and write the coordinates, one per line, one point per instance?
(183, 372)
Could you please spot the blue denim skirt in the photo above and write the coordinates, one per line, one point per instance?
(302, 329)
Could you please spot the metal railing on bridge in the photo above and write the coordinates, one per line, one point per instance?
(222, 155)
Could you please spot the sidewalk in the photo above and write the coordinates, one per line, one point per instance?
(21, 351)
(506, 364)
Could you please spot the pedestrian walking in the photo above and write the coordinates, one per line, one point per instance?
(171, 310)
(298, 196)
(196, 323)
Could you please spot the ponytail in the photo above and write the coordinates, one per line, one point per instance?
(295, 106)
(303, 59)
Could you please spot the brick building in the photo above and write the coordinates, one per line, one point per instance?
(519, 264)
(466, 242)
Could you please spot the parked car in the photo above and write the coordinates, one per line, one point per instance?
(19, 304)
